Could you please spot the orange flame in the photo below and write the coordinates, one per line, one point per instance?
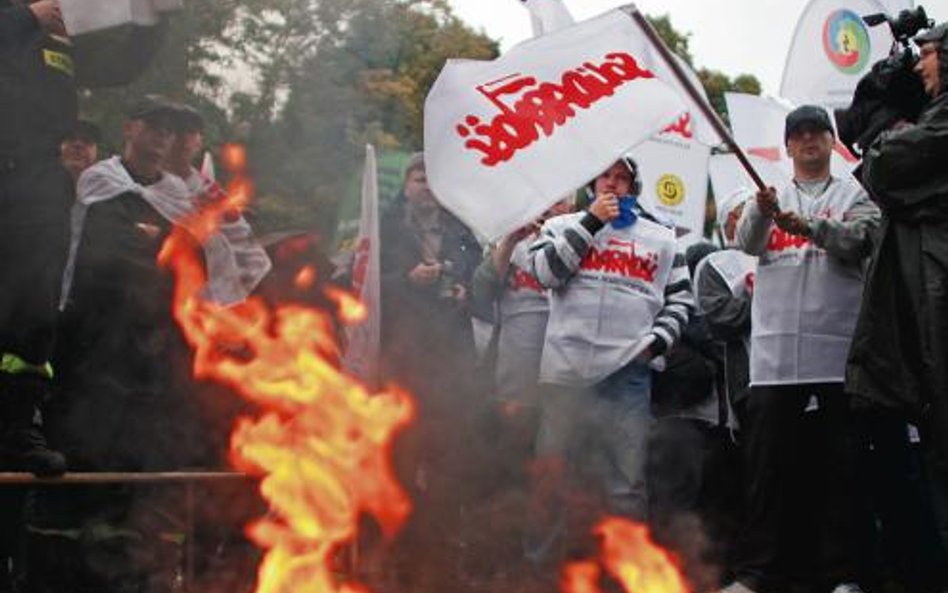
(631, 558)
(351, 309)
(305, 278)
(321, 442)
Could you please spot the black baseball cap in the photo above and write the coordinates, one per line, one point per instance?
(807, 116)
(935, 34)
(189, 119)
(152, 106)
(84, 130)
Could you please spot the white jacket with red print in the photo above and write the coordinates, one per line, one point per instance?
(615, 293)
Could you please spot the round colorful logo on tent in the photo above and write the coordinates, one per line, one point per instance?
(670, 189)
(846, 41)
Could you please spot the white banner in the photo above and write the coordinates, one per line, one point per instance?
(506, 139)
(548, 16)
(758, 124)
(674, 171)
(361, 357)
(831, 50)
(207, 166)
(86, 16)
(731, 183)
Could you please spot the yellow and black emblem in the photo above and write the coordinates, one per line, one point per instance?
(59, 61)
(670, 190)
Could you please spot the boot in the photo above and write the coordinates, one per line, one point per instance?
(22, 444)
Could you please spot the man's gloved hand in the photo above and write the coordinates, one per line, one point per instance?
(793, 224)
(767, 202)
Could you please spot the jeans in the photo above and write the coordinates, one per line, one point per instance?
(592, 440)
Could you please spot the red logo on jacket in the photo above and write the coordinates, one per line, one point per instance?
(624, 261)
(521, 280)
(781, 240)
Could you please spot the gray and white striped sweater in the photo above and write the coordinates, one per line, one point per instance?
(615, 293)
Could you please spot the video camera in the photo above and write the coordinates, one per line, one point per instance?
(890, 91)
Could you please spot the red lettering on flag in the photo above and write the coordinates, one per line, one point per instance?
(360, 265)
(544, 107)
(682, 127)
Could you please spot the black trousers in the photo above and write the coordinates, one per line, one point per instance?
(35, 199)
(801, 512)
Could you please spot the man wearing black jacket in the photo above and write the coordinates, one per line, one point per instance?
(899, 355)
(38, 103)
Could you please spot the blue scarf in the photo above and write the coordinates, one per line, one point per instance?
(627, 215)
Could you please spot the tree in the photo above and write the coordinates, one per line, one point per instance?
(715, 83)
(367, 85)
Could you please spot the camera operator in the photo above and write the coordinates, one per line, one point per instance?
(899, 355)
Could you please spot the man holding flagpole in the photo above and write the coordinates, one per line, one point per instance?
(812, 240)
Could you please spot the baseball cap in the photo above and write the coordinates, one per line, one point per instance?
(807, 116)
(935, 34)
(84, 130)
(189, 119)
(152, 106)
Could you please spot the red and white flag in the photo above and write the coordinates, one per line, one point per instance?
(506, 139)
(548, 16)
(361, 358)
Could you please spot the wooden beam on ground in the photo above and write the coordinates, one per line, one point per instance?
(70, 479)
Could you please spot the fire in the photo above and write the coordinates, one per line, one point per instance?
(320, 442)
(631, 558)
(305, 278)
(351, 309)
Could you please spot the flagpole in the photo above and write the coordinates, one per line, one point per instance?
(695, 95)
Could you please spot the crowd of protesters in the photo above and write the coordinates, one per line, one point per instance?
(773, 407)
(735, 397)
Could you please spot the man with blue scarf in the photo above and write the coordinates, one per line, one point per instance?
(620, 297)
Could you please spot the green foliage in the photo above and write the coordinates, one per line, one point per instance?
(674, 39)
(715, 83)
(366, 84)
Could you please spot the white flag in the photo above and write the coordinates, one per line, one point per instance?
(207, 166)
(831, 50)
(548, 16)
(674, 172)
(87, 16)
(692, 123)
(361, 357)
(506, 139)
(758, 124)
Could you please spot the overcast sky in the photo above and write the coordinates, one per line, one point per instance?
(734, 36)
